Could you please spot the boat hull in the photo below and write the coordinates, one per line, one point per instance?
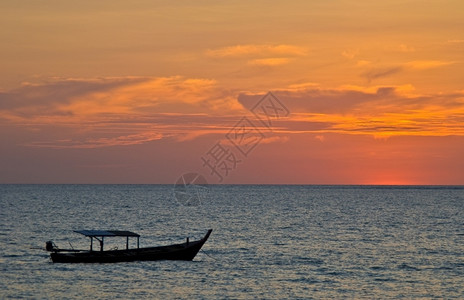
(185, 251)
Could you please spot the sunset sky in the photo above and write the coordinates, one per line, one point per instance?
(370, 92)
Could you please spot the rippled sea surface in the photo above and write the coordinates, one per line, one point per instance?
(269, 242)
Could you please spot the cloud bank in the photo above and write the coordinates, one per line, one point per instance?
(383, 111)
(95, 113)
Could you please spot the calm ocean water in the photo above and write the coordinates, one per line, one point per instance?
(269, 242)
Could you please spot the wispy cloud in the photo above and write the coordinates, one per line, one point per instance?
(373, 72)
(350, 53)
(382, 72)
(259, 55)
(274, 61)
(456, 41)
(405, 48)
(123, 140)
(261, 50)
(428, 64)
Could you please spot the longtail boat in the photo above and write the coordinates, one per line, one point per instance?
(183, 251)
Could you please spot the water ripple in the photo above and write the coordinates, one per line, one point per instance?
(269, 242)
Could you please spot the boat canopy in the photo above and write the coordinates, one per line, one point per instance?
(101, 233)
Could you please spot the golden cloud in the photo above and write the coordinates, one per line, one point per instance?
(428, 64)
(261, 50)
(118, 112)
(79, 99)
(379, 112)
(103, 108)
(275, 61)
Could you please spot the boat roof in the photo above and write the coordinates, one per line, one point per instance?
(93, 233)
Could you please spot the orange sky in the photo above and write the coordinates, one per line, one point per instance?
(145, 91)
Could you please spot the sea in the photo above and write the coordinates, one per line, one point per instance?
(268, 241)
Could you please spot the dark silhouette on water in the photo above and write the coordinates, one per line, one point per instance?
(183, 251)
